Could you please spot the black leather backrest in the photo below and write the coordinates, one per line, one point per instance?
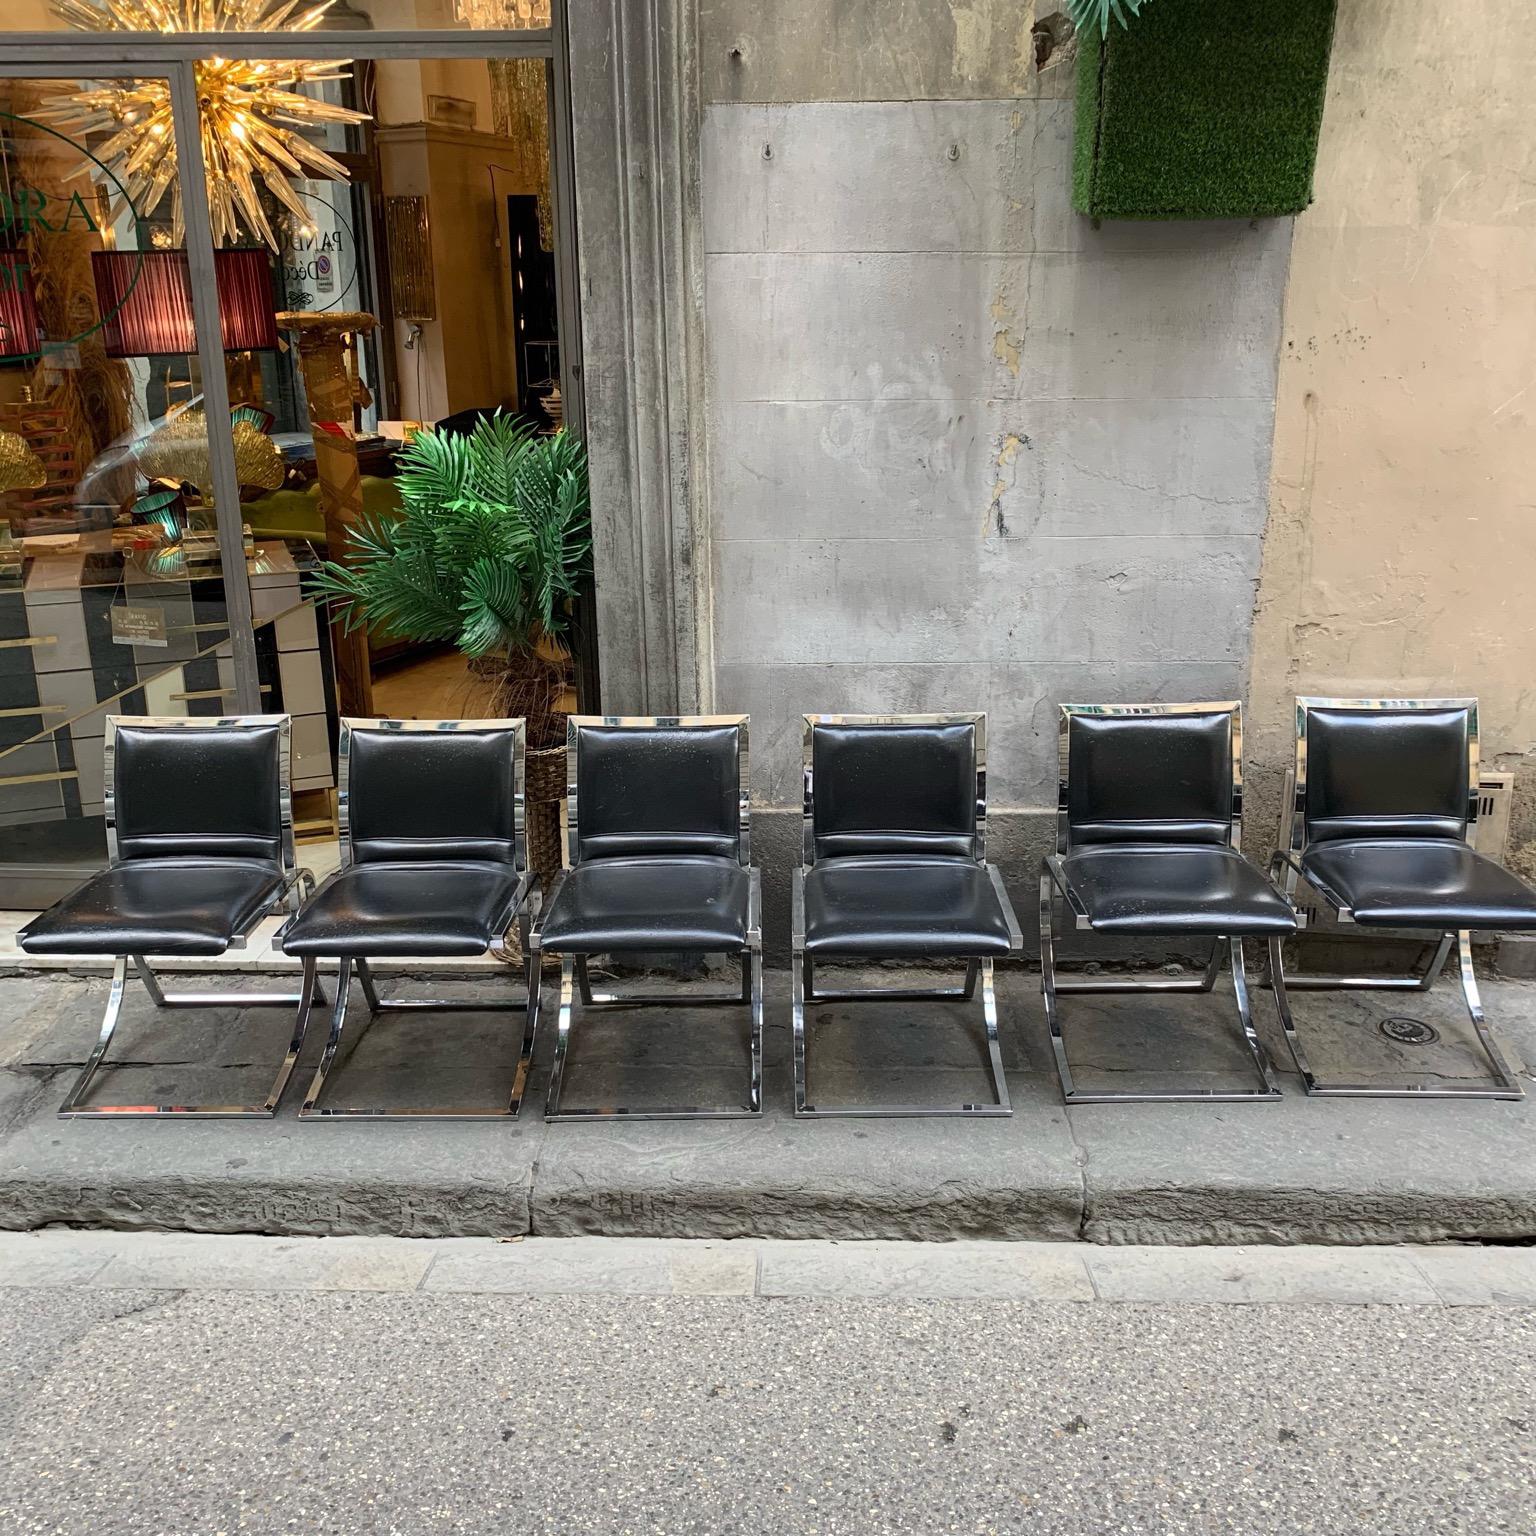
(1386, 773)
(432, 794)
(1149, 778)
(658, 789)
(897, 789)
(210, 792)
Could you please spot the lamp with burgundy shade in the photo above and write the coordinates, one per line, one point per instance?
(146, 301)
(19, 338)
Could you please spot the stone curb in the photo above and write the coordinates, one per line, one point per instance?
(1074, 1272)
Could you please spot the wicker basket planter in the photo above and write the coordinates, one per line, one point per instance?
(543, 790)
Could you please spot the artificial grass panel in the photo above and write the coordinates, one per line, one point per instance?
(1202, 109)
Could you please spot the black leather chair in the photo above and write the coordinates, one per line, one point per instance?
(1148, 833)
(658, 849)
(895, 868)
(1378, 819)
(199, 850)
(433, 864)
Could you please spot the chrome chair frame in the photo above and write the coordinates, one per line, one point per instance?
(574, 978)
(296, 882)
(1053, 881)
(977, 970)
(1286, 864)
(517, 908)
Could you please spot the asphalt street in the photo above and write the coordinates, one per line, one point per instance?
(196, 1412)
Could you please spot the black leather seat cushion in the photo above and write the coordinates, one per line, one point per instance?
(1416, 882)
(158, 907)
(453, 907)
(894, 904)
(1175, 888)
(684, 901)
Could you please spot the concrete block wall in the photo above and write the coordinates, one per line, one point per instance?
(965, 450)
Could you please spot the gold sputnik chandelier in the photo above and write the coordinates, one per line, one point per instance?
(251, 119)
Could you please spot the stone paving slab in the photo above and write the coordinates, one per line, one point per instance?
(1345, 1275)
(995, 1271)
(1480, 1277)
(575, 1265)
(1293, 1171)
(187, 1261)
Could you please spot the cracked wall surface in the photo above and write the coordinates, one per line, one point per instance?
(966, 451)
(1403, 515)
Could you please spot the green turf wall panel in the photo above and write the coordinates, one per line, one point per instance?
(1202, 109)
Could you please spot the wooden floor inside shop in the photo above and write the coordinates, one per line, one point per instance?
(436, 686)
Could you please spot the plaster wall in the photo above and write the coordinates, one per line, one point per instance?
(1403, 520)
(965, 450)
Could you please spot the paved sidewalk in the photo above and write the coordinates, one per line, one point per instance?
(1296, 1171)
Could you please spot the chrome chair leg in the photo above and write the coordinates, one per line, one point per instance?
(1421, 981)
(313, 1109)
(74, 1106)
(752, 985)
(799, 970)
(994, 1044)
(574, 981)
(164, 999)
(803, 989)
(530, 1023)
(1052, 986)
(562, 1035)
(71, 1105)
(1503, 1084)
(1473, 999)
(333, 1039)
(972, 972)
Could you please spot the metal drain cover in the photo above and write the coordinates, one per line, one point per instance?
(1406, 1031)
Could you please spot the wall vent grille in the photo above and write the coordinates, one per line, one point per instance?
(1495, 800)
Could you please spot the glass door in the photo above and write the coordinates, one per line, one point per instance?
(129, 437)
(237, 273)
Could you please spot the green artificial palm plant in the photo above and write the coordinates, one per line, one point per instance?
(492, 543)
(1096, 14)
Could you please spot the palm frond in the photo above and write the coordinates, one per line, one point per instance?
(390, 580)
(434, 469)
(495, 447)
(1094, 15)
(492, 542)
(494, 608)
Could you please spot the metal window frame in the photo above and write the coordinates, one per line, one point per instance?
(978, 969)
(171, 57)
(516, 910)
(1287, 864)
(1054, 881)
(295, 882)
(574, 977)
